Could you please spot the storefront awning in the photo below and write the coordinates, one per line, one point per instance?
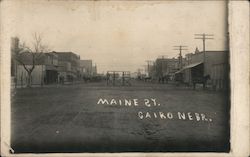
(177, 72)
(188, 66)
(192, 65)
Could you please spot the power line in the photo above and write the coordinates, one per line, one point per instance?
(180, 48)
(204, 37)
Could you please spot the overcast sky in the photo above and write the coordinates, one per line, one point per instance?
(122, 35)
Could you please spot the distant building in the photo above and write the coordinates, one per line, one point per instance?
(166, 66)
(94, 70)
(134, 75)
(151, 70)
(86, 68)
(68, 65)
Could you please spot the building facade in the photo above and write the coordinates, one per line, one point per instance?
(44, 72)
(14, 51)
(86, 68)
(94, 70)
(68, 66)
(165, 66)
(209, 63)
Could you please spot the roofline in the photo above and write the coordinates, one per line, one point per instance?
(213, 51)
(62, 52)
(217, 51)
(86, 60)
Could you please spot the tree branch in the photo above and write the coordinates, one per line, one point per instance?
(36, 51)
(28, 70)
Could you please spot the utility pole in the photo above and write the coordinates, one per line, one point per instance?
(180, 48)
(204, 37)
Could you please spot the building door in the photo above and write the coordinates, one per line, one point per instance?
(51, 76)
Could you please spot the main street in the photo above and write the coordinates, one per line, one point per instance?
(75, 118)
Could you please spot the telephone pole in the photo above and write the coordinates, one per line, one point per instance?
(180, 48)
(204, 37)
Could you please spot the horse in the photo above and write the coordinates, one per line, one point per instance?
(147, 79)
(163, 79)
(86, 79)
(200, 80)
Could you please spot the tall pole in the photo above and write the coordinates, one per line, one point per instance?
(204, 37)
(180, 48)
(204, 43)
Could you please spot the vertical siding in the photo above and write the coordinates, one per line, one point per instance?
(37, 75)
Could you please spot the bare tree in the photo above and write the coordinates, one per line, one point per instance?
(29, 56)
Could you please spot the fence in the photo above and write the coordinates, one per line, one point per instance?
(118, 78)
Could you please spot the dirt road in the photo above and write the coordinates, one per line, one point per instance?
(166, 118)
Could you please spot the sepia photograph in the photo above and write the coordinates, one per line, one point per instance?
(119, 77)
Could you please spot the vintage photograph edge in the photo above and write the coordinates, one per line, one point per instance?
(239, 75)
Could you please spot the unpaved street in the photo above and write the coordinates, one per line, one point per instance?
(69, 119)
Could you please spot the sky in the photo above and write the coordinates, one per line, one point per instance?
(121, 35)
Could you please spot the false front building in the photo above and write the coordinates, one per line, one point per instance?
(44, 71)
(68, 66)
(209, 63)
(166, 66)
